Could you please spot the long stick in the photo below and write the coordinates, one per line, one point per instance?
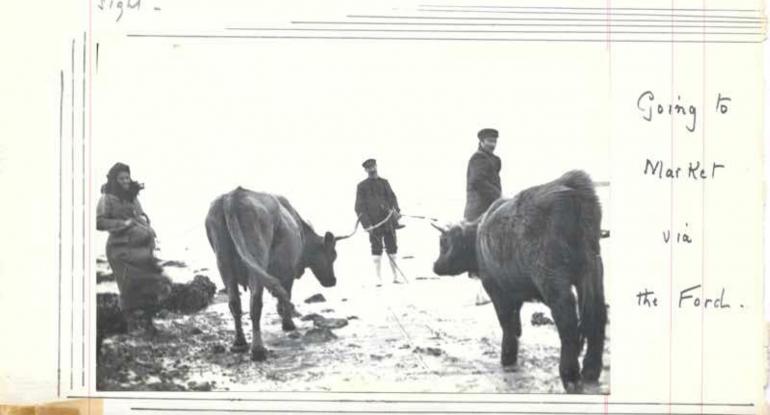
(397, 268)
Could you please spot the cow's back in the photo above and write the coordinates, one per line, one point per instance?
(551, 226)
(267, 221)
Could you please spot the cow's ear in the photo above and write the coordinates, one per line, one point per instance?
(329, 239)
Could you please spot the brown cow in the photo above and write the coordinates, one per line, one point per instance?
(261, 241)
(537, 246)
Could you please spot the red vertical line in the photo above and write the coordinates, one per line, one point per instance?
(72, 217)
(90, 190)
(60, 218)
(83, 218)
(606, 404)
(703, 213)
(671, 246)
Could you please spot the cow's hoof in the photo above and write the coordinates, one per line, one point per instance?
(591, 374)
(239, 347)
(573, 387)
(259, 354)
(288, 326)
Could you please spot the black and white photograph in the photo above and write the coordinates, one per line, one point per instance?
(347, 206)
(355, 216)
(294, 206)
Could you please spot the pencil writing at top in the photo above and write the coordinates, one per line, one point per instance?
(118, 8)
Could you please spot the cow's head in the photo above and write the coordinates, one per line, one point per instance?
(457, 250)
(320, 256)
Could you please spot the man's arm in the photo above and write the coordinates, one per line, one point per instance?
(392, 199)
(361, 206)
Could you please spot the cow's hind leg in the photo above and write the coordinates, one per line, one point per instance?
(593, 324)
(234, 302)
(559, 297)
(229, 270)
(507, 310)
(287, 323)
(258, 351)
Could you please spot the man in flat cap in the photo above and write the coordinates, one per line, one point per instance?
(483, 184)
(483, 176)
(374, 202)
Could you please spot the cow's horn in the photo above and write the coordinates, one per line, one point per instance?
(439, 228)
(355, 228)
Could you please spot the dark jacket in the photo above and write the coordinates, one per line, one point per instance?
(483, 183)
(374, 199)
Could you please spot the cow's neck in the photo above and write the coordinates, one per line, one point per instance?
(309, 238)
(469, 245)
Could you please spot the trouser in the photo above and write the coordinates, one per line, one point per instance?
(380, 235)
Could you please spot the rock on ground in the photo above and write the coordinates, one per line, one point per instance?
(317, 298)
(190, 297)
(319, 335)
(540, 319)
(109, 317)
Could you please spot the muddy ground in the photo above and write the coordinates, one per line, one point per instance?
(426, 335)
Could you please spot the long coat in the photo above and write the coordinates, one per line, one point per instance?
(374, 199)
(129, 251)
(483, 183)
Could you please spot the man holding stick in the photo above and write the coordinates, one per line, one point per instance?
(483, 184)
(377, 209)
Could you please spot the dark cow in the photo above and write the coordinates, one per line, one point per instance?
(261, 241)
(537, 246)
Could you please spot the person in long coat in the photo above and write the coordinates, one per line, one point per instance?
(375, 200)
(483, 176)
(130, 249)
(483, 185)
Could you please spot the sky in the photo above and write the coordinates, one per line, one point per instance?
(195, 120)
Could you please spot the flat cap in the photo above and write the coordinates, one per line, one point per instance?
(487, 133)
(369, 163)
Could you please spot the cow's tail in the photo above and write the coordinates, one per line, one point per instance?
(593, 311)
(592, 308)
(235, 230)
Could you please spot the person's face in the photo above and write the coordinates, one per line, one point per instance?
(371, 170)
(124, 180)
(489, 144)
